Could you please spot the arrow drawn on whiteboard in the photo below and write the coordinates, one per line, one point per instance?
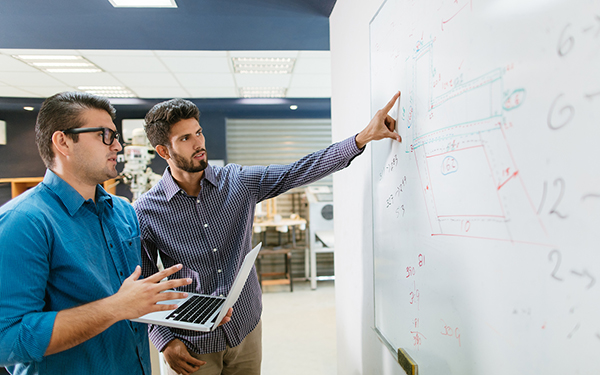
(592, 195)
(585, 30)
(585, 273)
(591, 96)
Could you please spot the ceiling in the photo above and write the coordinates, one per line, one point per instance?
(164, 53)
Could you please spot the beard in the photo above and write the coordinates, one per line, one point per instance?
(189, 166)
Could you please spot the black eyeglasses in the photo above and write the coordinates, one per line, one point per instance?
(108, 135)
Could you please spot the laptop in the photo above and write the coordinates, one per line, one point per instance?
(200, 312)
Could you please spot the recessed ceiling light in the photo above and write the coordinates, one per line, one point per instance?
(47, 57)
(59, 63)
(263, 92)
(263, 65)
(28, 108)
(293, 107)
(143, 3)
(73, 70)
(109, 91)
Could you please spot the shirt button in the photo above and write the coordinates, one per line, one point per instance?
(219, 271)
(215, 250)
(205, 225)
(220, 295)
(197, 200)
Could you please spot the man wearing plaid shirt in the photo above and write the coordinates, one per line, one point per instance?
(201, 216)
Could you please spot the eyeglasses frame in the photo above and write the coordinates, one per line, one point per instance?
(114, 133)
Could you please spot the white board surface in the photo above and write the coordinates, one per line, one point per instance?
(487, 215)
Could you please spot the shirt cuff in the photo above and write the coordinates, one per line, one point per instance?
(31, 338)
(160, 336)
(349, 149)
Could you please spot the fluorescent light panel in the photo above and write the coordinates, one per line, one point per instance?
(59, 63)
(263, 65)
(143, 3)
(263, 92)
(108, 91)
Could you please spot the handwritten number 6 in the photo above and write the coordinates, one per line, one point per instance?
(565, 46)
(567, 112)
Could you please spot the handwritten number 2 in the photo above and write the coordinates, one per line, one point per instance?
(553, 210)
(557, 265)
(562, 192)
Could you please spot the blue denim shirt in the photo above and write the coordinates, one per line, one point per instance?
(60, 251)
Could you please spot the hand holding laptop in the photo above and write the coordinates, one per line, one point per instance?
(140, 297)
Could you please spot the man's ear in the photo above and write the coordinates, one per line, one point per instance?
(162, 151)
(61, 143)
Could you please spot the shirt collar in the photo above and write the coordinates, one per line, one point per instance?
(69, 196)
(171, 187)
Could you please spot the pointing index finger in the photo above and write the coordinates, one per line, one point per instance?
(390, 104)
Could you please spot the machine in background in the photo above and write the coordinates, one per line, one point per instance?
(137, 157)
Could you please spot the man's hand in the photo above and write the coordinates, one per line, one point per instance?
(180, 360)
(139, 297)
(381, 126)
(227, 317)
(134, 299)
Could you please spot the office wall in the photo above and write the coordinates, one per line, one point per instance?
(359, 350)
(20, 158)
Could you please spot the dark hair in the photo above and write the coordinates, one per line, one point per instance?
(61, 112)
(162, 116)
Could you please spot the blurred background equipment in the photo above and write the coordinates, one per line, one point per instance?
(137, 157)
(320, 218)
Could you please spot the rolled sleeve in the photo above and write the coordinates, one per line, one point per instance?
(25, 329)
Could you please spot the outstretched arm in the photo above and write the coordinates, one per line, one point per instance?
(381, 126)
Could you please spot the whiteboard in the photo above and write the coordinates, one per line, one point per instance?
(486, 217)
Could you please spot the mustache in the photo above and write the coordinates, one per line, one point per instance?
(198, 152)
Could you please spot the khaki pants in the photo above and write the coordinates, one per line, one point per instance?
(244, 359)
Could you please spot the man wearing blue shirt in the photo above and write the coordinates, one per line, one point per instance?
(70, 255)
(201, 216)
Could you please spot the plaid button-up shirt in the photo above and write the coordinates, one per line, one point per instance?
(210, 234)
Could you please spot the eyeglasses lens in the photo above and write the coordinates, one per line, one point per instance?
(108, 136)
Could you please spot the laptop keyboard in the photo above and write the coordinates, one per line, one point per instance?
(197, 309)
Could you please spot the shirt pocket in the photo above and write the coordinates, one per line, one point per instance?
(132, 251)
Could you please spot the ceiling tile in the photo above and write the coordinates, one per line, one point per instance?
(197, 64)
(25, 51)
(213, 92)
(10, 64)
(310, 80)
(8, 91)
(312, 66)
(205, 80)
(21, 79)
(115, 52)
(262, 80)
(120, 63)
(292, 54)
(191, 53)
(161, 92)
(312, 92)
(46, 92)
(87, 79)
(314, 54)
(134, 80)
